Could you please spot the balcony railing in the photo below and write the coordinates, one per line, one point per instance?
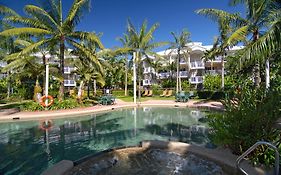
(148, 70)
(69, 83)
(68, 70)
(196, 79)
(183, 74)
(3, 76)
(213, 72)
(197, 65)
(146, 82)
(164, 75)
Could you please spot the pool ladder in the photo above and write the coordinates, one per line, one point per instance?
(240, 158)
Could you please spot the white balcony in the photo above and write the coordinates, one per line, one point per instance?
(213, 72)
(146, 83)
(69, 83)
(148, 70)
(3, 75)
(164, 75)
(68, 70)
(183, 74)
(196, 79)
(197, 65)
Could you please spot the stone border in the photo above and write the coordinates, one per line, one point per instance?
(223, 157)
(23, 116)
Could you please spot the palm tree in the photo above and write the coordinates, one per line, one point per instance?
(140, 44)
(256, 18)
(180, 45)
(6, 43)
(89, 67)
(224, 20)
(125, 42)
(261, 15)
(156, 65)
(48, 21)
(87, 73)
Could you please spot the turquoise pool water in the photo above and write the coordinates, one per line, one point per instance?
(27, 149)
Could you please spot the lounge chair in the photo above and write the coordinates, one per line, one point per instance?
(191, 94)
(164, 93)
(150, 93)
(145, 93)
(107, 100)
(169, 93)
(181, 97)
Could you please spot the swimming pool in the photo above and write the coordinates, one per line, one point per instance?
(27, 149)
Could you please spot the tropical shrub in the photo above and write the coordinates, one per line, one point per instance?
(64, 104)
(37, 89)
(156, 89)
(212, 82)
(31, 106)
(249, 117)
(168, 83)
(3, 88)
(185, 85)
(212, 95)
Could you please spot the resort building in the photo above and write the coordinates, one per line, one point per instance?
(2, 64)
(192, 65)
(69, 76)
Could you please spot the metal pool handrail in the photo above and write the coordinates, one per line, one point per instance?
(240, 158)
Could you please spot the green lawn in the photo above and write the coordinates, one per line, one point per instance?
(131, 99)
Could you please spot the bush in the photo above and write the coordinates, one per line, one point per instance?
(212, 82)
(156, 89)
(168, 84)
(249, 118)
(3, 88)
(31, 106)
(212, 95)
(65, 104)
(185, 85)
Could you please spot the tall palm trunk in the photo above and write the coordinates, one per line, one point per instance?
(177, 88)
(126, 78)
(80, 90)
(180, 89)
(95, 87)
(88, 89)
(62, 48)
(267, 74)
(8, 85)
(139, 80)
(222, 71)
(257, 78)
(139, 89)
(44, 79)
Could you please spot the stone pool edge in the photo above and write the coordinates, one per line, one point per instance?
(223, 157)
(23, 116)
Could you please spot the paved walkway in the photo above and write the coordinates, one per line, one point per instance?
(15, 115)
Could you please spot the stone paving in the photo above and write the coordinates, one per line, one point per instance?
(16, 115)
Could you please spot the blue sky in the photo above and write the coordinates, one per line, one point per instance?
(110, 16)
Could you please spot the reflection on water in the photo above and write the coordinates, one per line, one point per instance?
(27, 149)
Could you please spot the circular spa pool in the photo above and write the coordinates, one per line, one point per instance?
(28, 149)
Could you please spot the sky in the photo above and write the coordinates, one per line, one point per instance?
(109, 17)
